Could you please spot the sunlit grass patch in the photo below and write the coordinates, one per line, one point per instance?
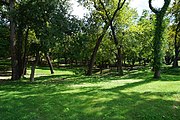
(67, 95)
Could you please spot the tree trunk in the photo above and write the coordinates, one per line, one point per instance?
(49, 63)
(34, 67)
(32, 72)
(119, 50)
(25, 60)
(20, 50)
(65, 60)
(101, 66)
(110, 21)
(175, 62)
(119, 62)
(158, 36)
(93, 56)
(14, 61)
(157, 74)
(176, 46)
(144, 62)
(157, 47)
(133, 63)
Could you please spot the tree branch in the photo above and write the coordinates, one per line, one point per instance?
(163, 9)
(166, 4)
(152, 8)
(102, 4)
(118, 8)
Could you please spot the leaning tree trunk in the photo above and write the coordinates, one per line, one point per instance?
(110, 20)
(158, 37)
(119, 51)
(14, 61)
(49, 63)
(25, 59)
(176, 46)
(93, 56)
(34, 67)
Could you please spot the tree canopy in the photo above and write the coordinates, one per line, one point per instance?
(112, 34)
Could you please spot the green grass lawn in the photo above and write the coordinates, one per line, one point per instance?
(68, 95)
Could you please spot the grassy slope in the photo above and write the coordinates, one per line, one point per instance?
(69, 96)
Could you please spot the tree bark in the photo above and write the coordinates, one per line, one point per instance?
(110, 20)
(14, 61)
(93, 56)
(157, 47)
(34, 67)
(25, 59)
(158, 36)
(119, 51)
(20, 50)
(49, 63)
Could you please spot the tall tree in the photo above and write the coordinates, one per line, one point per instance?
(109, 18)
(14, 59)
(158, 36)
(33, 15)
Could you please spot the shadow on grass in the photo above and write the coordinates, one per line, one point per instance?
(171, 71)
(77, 97)
(130, 85)
(54, 102)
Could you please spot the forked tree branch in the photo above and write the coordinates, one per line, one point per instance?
(163, 9)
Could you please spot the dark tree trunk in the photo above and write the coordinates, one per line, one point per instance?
(65, 60)
(119, 50)
(157, 47)
(157, 74)
(34, 66)
(133, 64)
(119, 62)
(144, 62)
(101, 66)
(49, 63)
(76, 61)
(101, 69)
(20, 50)
(175, 62)
(25, 59)
(93, 56)
(32, 72)
(14, 61)
(176, 46)
(108, 22)
(140, 60)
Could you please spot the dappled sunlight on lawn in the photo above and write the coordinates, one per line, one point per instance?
(105, 85)
(157, 86)
(69, 96)
(46, 72)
